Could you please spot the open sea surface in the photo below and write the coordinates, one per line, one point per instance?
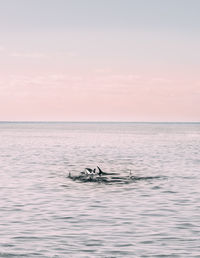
(43, 213)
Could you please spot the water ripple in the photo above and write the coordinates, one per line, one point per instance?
(46, 214)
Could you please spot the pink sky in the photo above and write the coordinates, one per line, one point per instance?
(95, 72)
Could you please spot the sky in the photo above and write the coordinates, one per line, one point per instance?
(99, 60)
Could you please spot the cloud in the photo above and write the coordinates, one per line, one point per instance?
(67, 95)
(31, 55)
(101, 85)
(41, 55)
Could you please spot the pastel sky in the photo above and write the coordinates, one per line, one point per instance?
(100, 60)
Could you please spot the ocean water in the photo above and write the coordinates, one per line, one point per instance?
(43, 213)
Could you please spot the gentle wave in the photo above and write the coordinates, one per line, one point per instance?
(46, 214)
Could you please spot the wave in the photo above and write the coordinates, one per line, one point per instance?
(112, 179)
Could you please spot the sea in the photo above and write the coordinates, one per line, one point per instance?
(44, 213)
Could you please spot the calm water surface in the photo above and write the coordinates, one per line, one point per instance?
(45, 214)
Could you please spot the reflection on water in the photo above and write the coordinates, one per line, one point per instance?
(46, 214)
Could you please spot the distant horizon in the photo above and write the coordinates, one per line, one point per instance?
(62, 121)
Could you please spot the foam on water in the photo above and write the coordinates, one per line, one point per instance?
(46, 214)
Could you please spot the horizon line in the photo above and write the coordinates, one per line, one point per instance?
(86, 121)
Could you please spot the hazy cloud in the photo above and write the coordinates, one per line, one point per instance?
(31, 55)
